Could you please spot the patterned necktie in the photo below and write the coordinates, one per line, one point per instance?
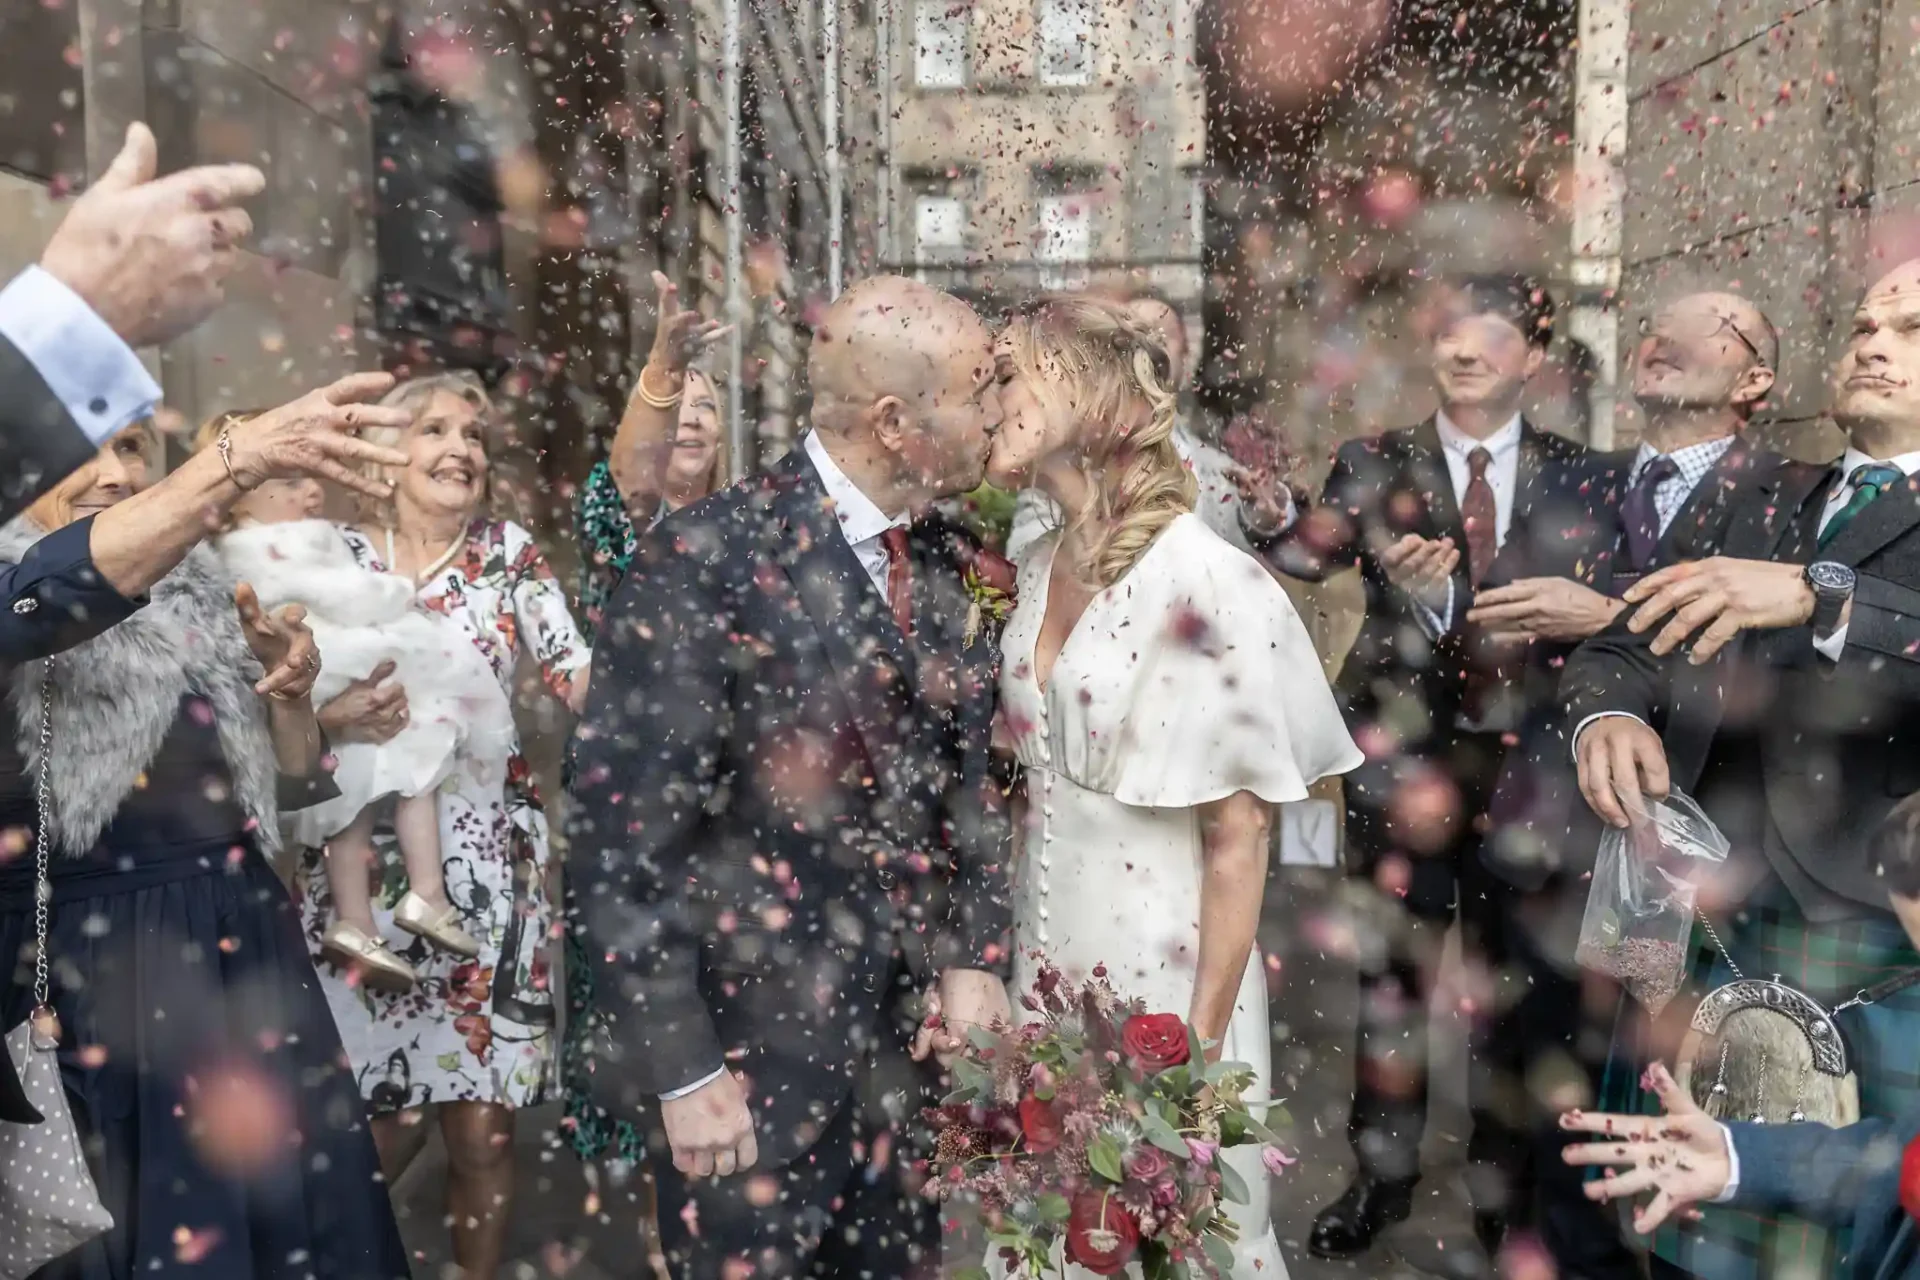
(1481, 517)
(1868, 481)
(1640, 513)
(899, 578)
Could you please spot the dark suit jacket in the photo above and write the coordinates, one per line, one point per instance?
(1821, 749)
(1842, 1178)
(781, 800)
(1386, 486)
(54, 600)
(40, 444)
(1540, 825)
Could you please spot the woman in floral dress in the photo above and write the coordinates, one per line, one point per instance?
(474, 1039)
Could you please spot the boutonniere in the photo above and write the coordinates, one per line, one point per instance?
(990, 581)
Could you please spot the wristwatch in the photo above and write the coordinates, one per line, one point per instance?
(1832, 585)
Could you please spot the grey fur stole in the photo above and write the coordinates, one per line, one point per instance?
(116, 696)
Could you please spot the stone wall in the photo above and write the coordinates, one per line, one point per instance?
(1771, 149)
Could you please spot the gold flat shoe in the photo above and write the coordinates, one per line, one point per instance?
(442, 929)
(346, 947)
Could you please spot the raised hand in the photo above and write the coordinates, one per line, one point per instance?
(1718, 598)
(680, 337)
(1541, 609)
(151, 255)
(710, 1130)
(282, 643)
(318, 435)
(1681, 1157)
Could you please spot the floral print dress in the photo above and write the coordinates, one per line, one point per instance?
(471, 1030)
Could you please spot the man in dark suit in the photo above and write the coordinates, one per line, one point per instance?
(1703, 363)
(788, 823)
(1434, 515)
(1779, 684)
(136, 261)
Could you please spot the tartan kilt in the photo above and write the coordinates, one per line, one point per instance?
(1830, 962)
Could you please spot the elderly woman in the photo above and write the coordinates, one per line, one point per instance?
(668, 452)
(167, 718)
(474, 1039)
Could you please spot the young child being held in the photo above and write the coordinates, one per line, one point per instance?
(457, 716)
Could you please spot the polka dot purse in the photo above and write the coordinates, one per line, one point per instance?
(48, 1204)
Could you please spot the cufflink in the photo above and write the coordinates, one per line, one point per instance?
(25, 604)
(97, 405)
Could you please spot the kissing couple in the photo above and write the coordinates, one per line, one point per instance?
(791, 856)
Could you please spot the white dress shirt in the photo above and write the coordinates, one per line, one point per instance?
(861, 524)
(1694, 462)
(1503, 477)
(95, 376)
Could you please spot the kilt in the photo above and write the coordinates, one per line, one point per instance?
(1830, 962)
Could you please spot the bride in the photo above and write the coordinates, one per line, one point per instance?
(1162, 695)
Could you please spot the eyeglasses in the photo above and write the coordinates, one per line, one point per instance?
(1699, 328)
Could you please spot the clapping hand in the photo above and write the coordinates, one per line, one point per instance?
(317, 435)
(282, 643)
(1680, 1157)
(1541, 609)
(151, 255)
(1421, 567)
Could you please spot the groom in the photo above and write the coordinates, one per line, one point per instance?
(788, 827)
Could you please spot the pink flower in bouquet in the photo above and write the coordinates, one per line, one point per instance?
(1166, 1194)
(1148, 1164)
(1101, 1234)
(1155, 1041)
(1276, 1160)
(1202, 1152)
(1039, 1124)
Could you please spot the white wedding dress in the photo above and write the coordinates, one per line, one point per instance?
(1188, 680)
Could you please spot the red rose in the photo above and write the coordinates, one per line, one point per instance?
(1910, 1179)
(1101, 1234)
(1155, 1041)
(1039, 1124)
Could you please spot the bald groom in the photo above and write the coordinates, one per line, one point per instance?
(787, 829)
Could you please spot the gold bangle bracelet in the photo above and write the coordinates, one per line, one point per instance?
(224, 447)
(651, 400)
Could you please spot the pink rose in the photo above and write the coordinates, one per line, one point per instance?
(1202, 1152)
(1147, 1165)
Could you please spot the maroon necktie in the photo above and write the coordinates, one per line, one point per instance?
(899, 578)
(1481, 518)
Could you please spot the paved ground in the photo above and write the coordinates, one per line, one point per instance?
(554, 1235)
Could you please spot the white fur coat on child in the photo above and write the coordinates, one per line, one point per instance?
(457, 713)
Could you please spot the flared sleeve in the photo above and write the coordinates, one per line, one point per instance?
(1231, 695)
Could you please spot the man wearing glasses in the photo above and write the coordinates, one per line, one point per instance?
(1704, 363)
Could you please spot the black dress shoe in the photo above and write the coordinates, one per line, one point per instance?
(1349, 1224)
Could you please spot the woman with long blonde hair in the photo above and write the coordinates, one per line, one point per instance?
(1163, 696)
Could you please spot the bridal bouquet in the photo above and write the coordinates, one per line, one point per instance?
(1095, 1133)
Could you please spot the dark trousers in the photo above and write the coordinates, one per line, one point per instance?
(1413, 831)
(848, 1208)
(1542, 1050)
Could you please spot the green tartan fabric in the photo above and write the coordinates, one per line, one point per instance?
(1830, 962)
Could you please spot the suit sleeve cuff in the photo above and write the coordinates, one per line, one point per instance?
(1436, 624)
(685, 1089)
(1574, 747)
(95, 375)
(1732, 1188)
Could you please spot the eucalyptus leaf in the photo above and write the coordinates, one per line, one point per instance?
(973, 1273)
(1103, 1157)
(981, 1038)
(1232, 1185)
(1053, 1207)
(1163, 1135)
(959, 1096)
(1219, 1253)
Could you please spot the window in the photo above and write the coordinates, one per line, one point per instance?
(939, 228)
(1197, 215)
(940, 44)
(1066, 42)
(1066, 241)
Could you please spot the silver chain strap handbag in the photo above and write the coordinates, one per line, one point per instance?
(48, 1204)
